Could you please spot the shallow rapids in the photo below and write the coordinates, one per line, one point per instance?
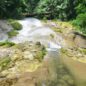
(34, 30)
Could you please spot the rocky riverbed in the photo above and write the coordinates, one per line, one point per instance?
(44, 53)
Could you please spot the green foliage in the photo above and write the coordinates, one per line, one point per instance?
(80, 22)
(47, 6)
(81, 6)
(7, 43)
(12, 33)
(62, 9)
(10, 8)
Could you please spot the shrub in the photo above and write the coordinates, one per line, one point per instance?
(80, 23)
(12, 33)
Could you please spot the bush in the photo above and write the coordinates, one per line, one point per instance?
(12, 33)
(80, 23)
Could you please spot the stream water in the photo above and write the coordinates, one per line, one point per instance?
(34, 30)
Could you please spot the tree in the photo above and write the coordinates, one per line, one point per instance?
(11, 8)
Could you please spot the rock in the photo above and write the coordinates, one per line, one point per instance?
(28, 55)
(80, 41)
(5, 26)
(22, 59)
(4, 52)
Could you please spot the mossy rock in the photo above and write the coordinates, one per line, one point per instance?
(52, 35)
(12, 33)
(64, 51)
(40, 54)
(7, 43)
(16, 25)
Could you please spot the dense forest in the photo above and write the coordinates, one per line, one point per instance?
(62, 9)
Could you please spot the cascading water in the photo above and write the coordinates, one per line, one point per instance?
(34, 30)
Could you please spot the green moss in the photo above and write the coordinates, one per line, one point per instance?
(64, 51)
(12, 33)
(51, 35)
(82, 50)
(16, 25)
(40, 54)
(80, 22)
(4, 62)
(7, 44)
(2, 43)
